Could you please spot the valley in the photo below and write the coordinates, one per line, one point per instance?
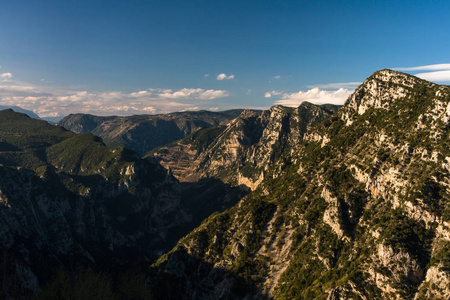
(311, 202)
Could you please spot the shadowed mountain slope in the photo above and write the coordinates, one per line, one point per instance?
(67, 200)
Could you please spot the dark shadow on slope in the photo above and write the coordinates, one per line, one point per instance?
(149, 135)
(199, 200)
(56, 211)
(210, 195)
(183, 276)
(4, 146)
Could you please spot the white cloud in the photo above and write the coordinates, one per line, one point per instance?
(5, 76)
(16, 88)
(140, 94)
(224, 76)
(149, 109)
(338, 85)
(426, 68)
(194, 94)
(315, 96)
(272, 93)
(192, 108)
(276, 77)
(440, 76)
(438, 72)
(221, 76)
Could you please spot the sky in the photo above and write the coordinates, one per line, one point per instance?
(148, 57)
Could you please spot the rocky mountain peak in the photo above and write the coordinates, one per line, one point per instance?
(382, 89)
(387, 75)
(307, 104)
(280, 109)
(246, 114)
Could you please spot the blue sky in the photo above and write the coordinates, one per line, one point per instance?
(130, 57)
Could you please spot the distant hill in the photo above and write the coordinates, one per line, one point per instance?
(142, 133)
(51, 120)
(21, 110)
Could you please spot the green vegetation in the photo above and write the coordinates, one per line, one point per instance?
(203, 138)
(86, 154)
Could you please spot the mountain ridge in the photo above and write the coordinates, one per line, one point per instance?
(142, 133)
(21, 110)
(359, 211)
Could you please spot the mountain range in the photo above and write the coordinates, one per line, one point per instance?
(142, 133)
(313, 202)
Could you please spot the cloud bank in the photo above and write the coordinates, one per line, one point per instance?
(47, 101)
(316, 96)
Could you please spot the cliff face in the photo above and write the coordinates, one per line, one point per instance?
(358, 207)
(242, 152)
(68, 200)
(142, 133)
